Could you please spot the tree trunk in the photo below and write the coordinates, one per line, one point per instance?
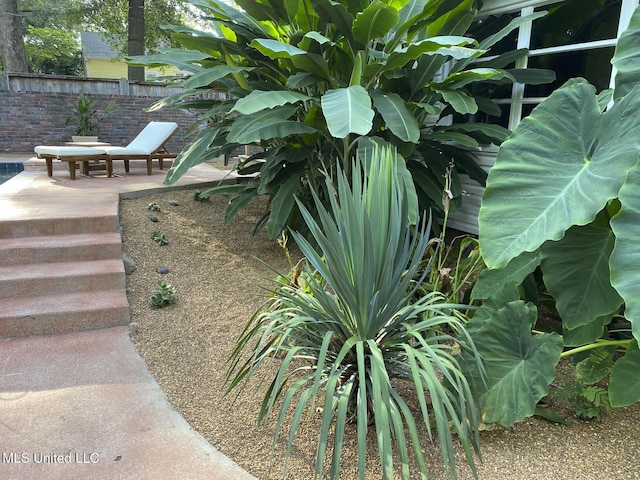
(12, 52)
(136, 37)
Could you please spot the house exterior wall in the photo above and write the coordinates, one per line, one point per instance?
(466, 217)
(105, 68)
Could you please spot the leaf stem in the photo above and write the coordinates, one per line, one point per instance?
(596, 344)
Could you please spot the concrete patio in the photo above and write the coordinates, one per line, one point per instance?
(76, 400)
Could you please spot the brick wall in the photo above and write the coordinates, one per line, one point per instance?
(28, 119)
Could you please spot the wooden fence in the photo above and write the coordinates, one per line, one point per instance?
(28, 82)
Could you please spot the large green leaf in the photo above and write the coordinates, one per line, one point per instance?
(492, 133)
(313, 63)
(194, 154)
(259, 100)
(559, 168)
(275, 49)
(576, 273)
(492, 39)
(281, 206)
(265, 125)
(237, 16)
(336, 13)
(454, 137)
(374, 21)
(397, 116)
(460, 101)
(624, 384)
(532, 76)
(519, 366)
(625, 258)
(454, 22)
(452, 46)
(239, 201)
(587, 333)
(626, 58)
(347, 110)
(211, 75)
(459, 80)
(513, 274)
(180, 58)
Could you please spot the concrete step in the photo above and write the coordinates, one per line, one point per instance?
(71, 312)
(34, 227)
(60, 248)
(42, 279)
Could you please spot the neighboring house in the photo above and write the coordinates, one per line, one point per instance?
(101, 61)
(576, 38)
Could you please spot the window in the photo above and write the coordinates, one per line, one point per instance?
(576, 38)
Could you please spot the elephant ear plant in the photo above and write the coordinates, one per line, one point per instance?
(301, 82)
(564, 195)
(355, 332)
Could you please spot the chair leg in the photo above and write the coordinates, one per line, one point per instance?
(72, 169)
(126, 166)
(161, 163)
(149, 166)
(49, 161)
(109, 163)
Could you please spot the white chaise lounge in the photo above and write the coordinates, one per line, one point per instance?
(148, 145)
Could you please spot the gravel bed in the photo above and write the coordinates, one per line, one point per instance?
(220, 279)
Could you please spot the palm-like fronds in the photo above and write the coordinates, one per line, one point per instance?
(356, 326)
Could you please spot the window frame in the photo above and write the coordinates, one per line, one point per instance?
(466, 217)
(527, 7)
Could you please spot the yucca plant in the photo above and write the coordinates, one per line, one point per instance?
(356, 326)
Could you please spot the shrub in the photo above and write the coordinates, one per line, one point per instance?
(304, 82)
(355, 326)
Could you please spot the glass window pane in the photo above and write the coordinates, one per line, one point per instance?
(486, 27)
(593, 65)
(482, 117)
(576, 21)
(527, 109)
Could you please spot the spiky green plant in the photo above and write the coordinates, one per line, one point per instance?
(356, 326)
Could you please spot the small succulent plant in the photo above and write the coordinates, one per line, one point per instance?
(154, 207)
(198, 196)
(160, 238)
(164, 294)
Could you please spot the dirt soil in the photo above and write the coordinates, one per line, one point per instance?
(220, 279)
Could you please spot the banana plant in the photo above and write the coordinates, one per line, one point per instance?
(564, 196)
(304, 81)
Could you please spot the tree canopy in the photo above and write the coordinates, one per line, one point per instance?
(50, 31)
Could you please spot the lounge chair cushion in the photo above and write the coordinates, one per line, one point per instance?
(125, 152)
(53, 151)
(149, 140)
